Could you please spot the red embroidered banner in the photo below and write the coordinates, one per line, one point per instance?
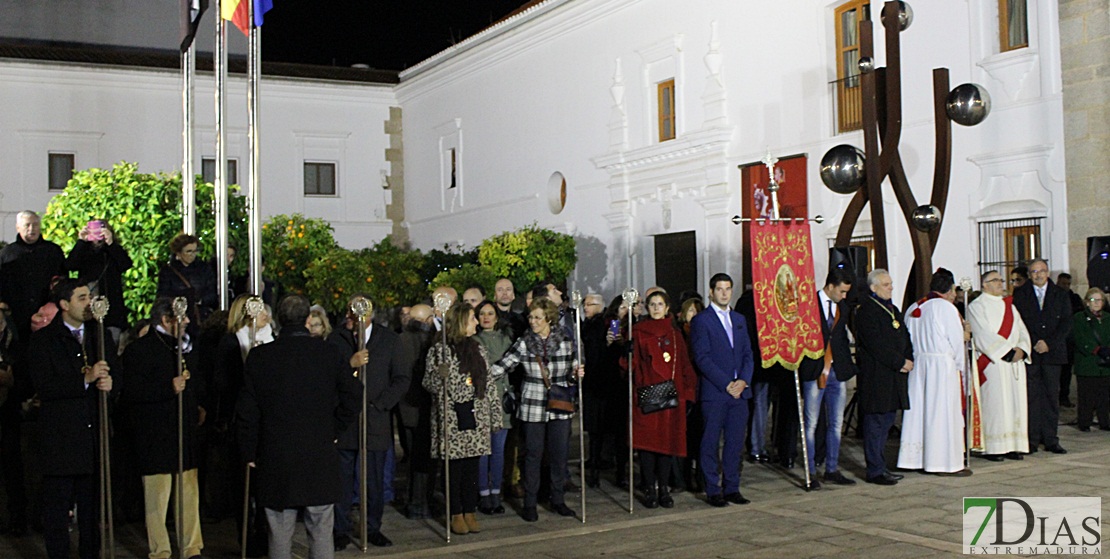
(788, 321)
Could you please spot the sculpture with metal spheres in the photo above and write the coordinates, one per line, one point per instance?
(866, 65)
(926, 218)
(968, 104)
(842, 169)
(905, 16)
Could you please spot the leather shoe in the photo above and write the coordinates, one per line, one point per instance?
(787, 463)
(760, 458)
(1056, 449)
(529, 514)
(813, 485)
(961, 473)
(838, 478)
(1014, 456)
(716, 501)
(992, 457)
(378, 539)
(341, 542)
(892, 475)
(1085, 429)
(736, 499)
(882, 480)
(1032, 449)
(562, 509)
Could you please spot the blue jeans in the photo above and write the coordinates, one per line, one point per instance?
(761, 391)
(833, 398)
(491, 467)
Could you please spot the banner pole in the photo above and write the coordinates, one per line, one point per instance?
(220, 194)
(254, 188)
(188, 173)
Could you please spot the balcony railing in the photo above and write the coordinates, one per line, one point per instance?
(847, 103)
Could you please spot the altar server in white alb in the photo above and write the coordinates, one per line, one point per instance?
(933, 427)
(1003, 342)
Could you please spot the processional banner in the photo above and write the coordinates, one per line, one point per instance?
(787, 319)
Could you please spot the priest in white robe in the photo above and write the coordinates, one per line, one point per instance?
(1003, 342)
(933, 428)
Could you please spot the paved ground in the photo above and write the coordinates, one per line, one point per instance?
(920, 517)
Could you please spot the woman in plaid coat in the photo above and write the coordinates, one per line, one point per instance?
(547, 357)
(473, 410)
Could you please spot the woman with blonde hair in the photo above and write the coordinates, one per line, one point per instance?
(1091, 329)
(318, 324)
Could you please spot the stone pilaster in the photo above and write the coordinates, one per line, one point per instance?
(395, 155)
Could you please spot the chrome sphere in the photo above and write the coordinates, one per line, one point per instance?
(905, 16)
(926, 218)
(842, 169)
(968, 104)
(866, 65)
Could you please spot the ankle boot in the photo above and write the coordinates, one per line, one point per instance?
(458, 525)
(498, 508)
(471, 522)
(485, 504)
(651, 498)
(665, 499)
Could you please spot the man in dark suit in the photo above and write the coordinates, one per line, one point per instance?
(885, 356)
(1046, 311)
(149, 389)
(388, 374)
(298, 395)
(67, 378)
(723, 355)
(825, 380)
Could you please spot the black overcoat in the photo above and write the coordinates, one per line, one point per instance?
(150, 403)
(388, 375)
(298, 395)
(25, 274)
(104, 265)
(882, 349)
(1051, 322)
(69, 419)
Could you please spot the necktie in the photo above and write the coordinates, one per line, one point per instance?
(728, 327)
(77, 334)
(831, 315)
(1040, 298)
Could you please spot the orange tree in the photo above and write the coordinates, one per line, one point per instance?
(388, 275)
(290, 244)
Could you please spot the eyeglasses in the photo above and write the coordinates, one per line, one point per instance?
(1095, 299)
(993, 280)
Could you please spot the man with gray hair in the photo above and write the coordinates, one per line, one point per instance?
(885, 356)
(298, 396)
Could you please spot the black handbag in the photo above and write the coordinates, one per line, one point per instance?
(659, 396)
(560, 399)
(509, 402)
(464, 413)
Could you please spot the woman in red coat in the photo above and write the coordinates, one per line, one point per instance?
(660, 354)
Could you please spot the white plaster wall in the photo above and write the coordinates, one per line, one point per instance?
(534, 97)
(107, 115)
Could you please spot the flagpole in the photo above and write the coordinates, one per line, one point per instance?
(254, 201)
(188, 174)
(220, 195)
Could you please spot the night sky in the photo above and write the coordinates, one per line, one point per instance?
(385, 34)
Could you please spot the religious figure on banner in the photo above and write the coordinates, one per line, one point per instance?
(785, 294)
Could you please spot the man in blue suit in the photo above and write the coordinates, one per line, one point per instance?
(723, 356)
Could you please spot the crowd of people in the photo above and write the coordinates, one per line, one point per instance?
(477, 395)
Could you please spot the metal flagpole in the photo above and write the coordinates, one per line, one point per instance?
(220, 194)
(630, 296)
(576, 304)
(180, 306)
(188, 174)
(254, 188)
(971, 368)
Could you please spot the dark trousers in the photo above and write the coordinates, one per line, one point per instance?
(464, 485)
(554, 433)
(786, 419)
(876, 428)
(11, 463)
(1065, 380)
(59, 494)
(375, 503)
(1094, 396)
(655, 467)
(1043, 385)
(730, 419)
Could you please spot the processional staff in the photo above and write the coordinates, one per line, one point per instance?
(630, 297)
(442, 303)
(180, 307)
(99, 309)
(254, 309)
(970, 374)
(576, 304)
(361, 307)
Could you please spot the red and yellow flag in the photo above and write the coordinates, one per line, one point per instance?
(235, 11)
(787, 319)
